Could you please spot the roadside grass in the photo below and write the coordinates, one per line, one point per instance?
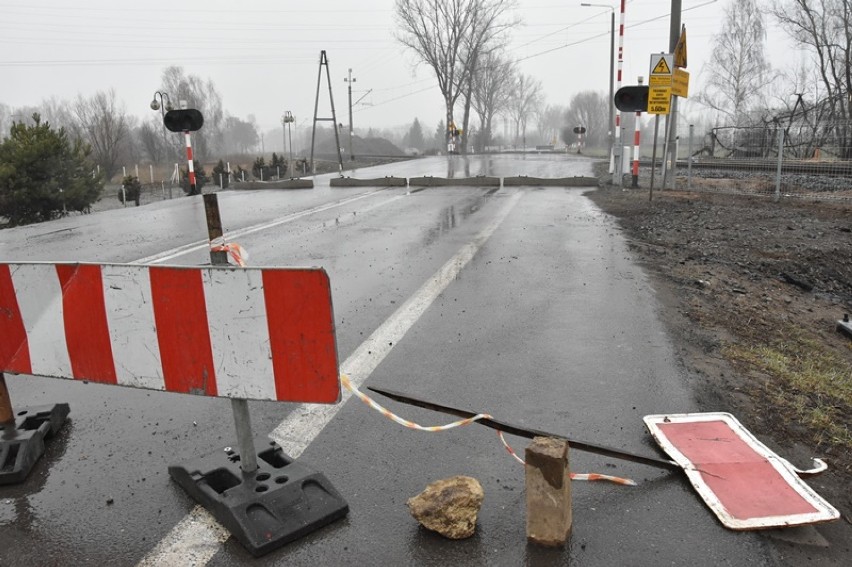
(807, 380)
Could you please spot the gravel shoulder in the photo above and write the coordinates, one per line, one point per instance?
(751, 292)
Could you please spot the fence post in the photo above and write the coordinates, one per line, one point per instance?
(780, 160)
(689, 160)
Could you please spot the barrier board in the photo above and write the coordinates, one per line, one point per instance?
(250, 333)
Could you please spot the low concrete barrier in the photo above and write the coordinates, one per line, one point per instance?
(389, 181)
(479, 181)
(523, 180)
(275, 184)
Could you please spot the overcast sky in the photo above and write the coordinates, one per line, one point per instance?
(263, 56)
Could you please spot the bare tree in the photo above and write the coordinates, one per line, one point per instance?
(57, 113)
(101, 122)
(487, 36)
(525, 100)
(590, 109)
(150, 137)
(450, 36)
(203, 96)
(549, 121)
(5, 120)
(241, 135)
(492, 91)
(738, 70)
(824, 29)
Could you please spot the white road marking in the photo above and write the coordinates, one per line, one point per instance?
(205, 244)
(304, 423)
(196, 538)
(191, 543)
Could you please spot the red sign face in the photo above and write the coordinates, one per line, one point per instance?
(745, 484)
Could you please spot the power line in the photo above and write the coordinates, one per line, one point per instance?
(636, 25)
(397, 98)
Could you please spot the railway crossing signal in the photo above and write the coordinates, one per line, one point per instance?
(188, 120)
(632, 99)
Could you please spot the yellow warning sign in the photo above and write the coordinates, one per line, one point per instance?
(660, 81)
(680, 83)
(680, 49)
(659, 100)
(661, 68)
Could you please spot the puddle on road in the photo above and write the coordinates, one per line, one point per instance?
(451, 217)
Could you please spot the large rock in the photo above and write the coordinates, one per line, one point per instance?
(449, 506)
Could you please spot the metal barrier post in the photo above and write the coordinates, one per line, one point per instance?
(689, 160)
(242, 420)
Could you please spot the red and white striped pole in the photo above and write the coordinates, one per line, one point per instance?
(636, 151)
(636, 137)
(618, 143)
(189, 162)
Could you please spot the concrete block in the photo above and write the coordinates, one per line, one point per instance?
(294, 183)
(479, 181)
(524, 181)
(389, 181)
(548, 492)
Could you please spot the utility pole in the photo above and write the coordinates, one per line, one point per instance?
(671, 131)
(350, 80)
(332, 118)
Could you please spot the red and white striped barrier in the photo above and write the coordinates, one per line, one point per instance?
(264, 334)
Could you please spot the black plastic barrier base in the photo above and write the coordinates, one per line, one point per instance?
(281, 501)
(22, 443)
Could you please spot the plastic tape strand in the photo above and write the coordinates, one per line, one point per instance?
(344, 379)
(574, 476)
(234, 250)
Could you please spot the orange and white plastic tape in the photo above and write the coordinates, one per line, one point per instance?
(237, 253)
(344, 379)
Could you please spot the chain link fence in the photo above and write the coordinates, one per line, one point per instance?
(798, 160)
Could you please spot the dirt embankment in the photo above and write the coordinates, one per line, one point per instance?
(752, 291)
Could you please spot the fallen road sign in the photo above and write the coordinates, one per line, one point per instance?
(744, 483)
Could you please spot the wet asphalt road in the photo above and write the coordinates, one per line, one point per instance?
(549, 325)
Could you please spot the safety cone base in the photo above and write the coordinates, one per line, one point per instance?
(22, 442)
(281, 501)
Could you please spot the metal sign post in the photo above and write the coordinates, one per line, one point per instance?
(242, 419)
